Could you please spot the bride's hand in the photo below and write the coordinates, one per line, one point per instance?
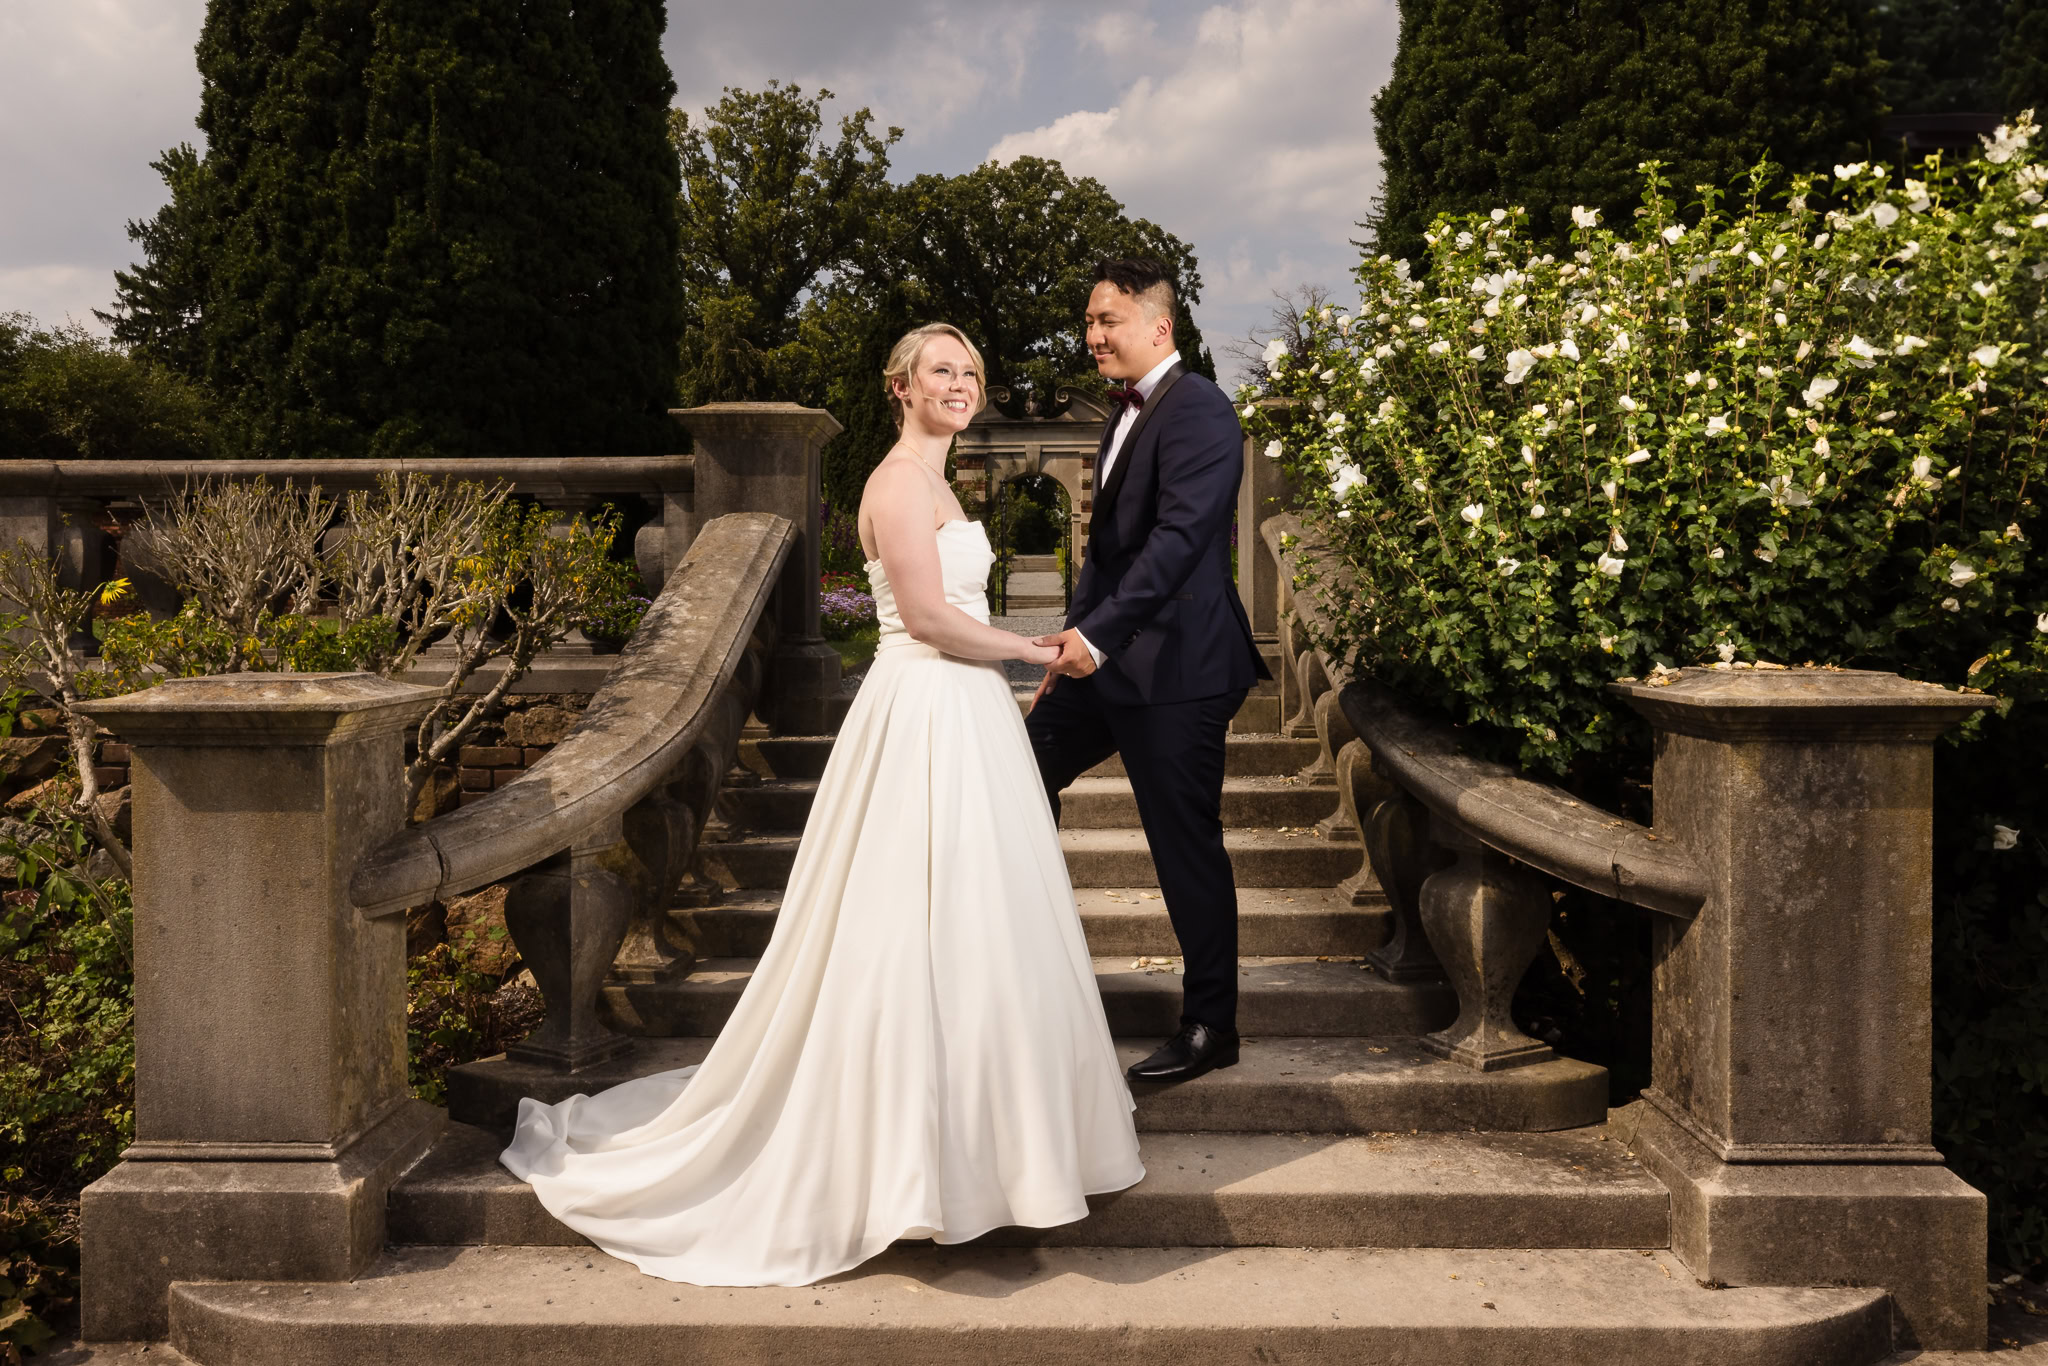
(1041, 655)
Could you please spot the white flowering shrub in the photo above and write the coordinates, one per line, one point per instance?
(1795, 428)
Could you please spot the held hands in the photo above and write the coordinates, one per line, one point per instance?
(1074, 660)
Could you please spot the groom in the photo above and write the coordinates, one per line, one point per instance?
(1157, 653)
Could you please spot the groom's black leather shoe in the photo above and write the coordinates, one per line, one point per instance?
(1187, 1055)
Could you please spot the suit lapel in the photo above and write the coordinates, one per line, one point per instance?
(1130, 446)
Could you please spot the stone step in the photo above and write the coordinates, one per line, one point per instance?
(1285, 1085)
(1095, 858)
(1276, 996)
(802, 758)
(1090, 803)
(937, 1306)
(1260, 715)
(1573, 1189)
(1271, 921)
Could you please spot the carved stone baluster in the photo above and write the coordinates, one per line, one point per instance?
(1333, 732)
(660, 834)
(1310, 683)
(1486, 916)
(1359, 789)
(1400, 854)
(568, 917)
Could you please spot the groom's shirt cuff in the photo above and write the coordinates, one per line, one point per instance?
(1093, 653)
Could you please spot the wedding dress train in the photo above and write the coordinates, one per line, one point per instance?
(921, 1052)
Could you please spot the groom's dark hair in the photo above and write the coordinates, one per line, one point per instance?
(1144, 279)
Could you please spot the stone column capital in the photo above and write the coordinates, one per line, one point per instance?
(1835, 705)
(250, 709)
(711, 421)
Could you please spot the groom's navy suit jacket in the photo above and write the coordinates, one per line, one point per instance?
(1155, 594)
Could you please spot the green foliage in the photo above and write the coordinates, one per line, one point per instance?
(38, 1274)
(67, 1063)
(804, 265)
(1941, 56)
(423, 227)
(1555, 103)
(1796, 434)
(768, 207)
(1802, 430)
(1977, 56)
(448, 1017)
(2023, 65)
(68, 395)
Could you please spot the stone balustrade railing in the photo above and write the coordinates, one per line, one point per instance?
(761, 457)
(1789, 1110)
(602, 828)
(272, 856)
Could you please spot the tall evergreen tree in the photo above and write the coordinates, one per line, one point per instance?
(1941, 56)
(427, 226)
(1553, 103)
(2023, 58)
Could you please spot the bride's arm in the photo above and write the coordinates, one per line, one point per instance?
(901, 509)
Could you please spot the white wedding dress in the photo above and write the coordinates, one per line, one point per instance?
(922, 1051)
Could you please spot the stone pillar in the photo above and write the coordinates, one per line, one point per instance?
(766, 457)
(1790, 1105)
(29, 521)
(1262, 492)
(272, 1111)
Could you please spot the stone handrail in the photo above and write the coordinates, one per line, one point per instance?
(1534, 822)
(117, 478)
(654, 706)
(601, 829)
(72, 508)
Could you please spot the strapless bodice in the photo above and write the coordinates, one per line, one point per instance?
(964, 560)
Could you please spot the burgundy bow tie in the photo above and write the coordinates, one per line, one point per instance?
(1127, 397)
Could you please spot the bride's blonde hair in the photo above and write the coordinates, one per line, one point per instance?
(903, 358)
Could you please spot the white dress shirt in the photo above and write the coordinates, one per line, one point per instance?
(1127, 418)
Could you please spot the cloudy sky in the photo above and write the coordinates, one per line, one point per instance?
(1244, 127)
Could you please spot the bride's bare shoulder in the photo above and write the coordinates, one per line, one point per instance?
(896, 486)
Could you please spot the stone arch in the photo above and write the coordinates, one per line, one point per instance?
(1058, 440)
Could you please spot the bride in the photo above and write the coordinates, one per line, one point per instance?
(922, 1051)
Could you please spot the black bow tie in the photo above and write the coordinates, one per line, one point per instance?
(1127, 397)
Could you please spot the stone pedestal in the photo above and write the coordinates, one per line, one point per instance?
(766, 457)
(1790, 1105)
(272, 1110)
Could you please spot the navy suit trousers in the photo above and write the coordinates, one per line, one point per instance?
(1173, 753)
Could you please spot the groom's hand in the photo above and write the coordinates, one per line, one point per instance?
(1075, 661)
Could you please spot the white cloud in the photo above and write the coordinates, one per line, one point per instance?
(91, 91)
(1120, 34)
(1258, 136)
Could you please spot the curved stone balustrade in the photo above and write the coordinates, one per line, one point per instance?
(605, 823)
(1531, 822)
(1456, 844)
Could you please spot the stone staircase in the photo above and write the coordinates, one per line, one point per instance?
(1340, 1195)
(1034, 586)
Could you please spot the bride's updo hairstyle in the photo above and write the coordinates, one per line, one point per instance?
(905, 354)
